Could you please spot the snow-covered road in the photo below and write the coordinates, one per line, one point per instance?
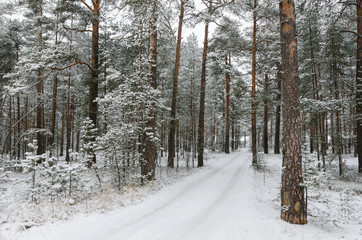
(219, 203)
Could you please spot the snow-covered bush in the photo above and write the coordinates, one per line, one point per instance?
(60, 179)
(89, 133)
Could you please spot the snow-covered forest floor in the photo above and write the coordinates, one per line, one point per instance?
(227, 199)
(19, 212)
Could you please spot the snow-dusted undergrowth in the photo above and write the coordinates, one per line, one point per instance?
(20, 210)
(334, 205)
(333, 201)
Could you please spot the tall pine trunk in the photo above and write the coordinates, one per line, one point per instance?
(201, 135)
(40, 105)
(292, 193)
(93, 83)
(150, 151)
(171, 140)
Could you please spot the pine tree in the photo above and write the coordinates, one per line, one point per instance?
(292, 193)
(150, 150)
(171, 142)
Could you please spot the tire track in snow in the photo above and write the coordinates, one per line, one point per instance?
(114, 231)
(196, 222)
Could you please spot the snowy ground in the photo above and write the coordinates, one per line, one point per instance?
(226, 200)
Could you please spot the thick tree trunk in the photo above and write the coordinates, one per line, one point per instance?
(227, 88)
(278, 110)
(150, 151)
(265, 129)
(40, 107)
(292, 193)
(253, 89)
(201, 134)
(359, 85)
(171, 140)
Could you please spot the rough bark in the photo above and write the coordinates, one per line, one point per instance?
(292, 193)
(171, 140)
(150, 151)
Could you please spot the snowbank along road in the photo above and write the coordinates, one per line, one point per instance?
(219, 203)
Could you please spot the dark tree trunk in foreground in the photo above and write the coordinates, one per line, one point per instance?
(253, 90)
(200, 137)
(227, 88)
(150, 151)
(171, 140)
(292, 194)
(277, 117)
(359, 85)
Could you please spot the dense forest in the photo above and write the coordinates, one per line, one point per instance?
(114, 91)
